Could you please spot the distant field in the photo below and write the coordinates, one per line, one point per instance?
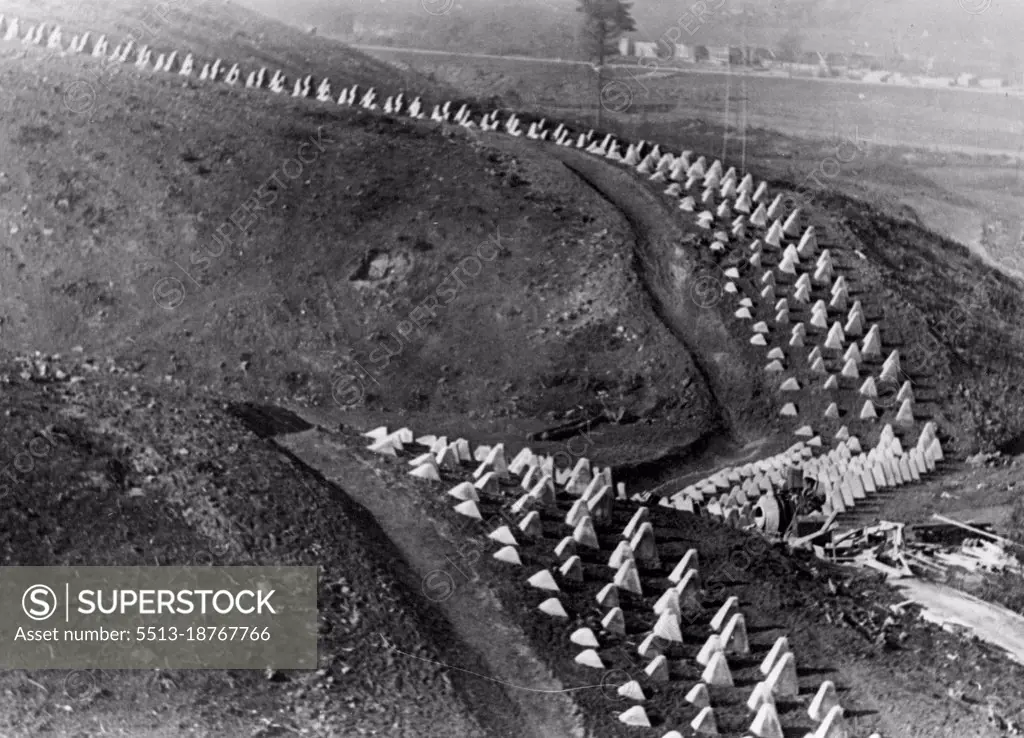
(973, 121)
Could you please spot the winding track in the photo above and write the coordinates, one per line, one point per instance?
(668, 274)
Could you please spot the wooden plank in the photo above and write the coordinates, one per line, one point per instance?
(979, 531)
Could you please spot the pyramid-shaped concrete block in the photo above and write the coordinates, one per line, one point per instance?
(565, 548)
(905, 415)
(509, 555)
(833, 726)
(761, 695)
(868, 388)
(525, 459)
(766, 722)
(790, 385)
(385, 447)
(504, 535)
(608, 596)
(872, 343)
(640, 517)
(686, 563)
(717, 673)
(553, 607)
(530, 525)
(783, 680)
(725, 612)
(689, 590)
(543, 580)
(657, 670)
(427, 471)
(631, 690)
(705, 723)
(577, 512)
(644, 547)
(628, 578)
(635, 716)
(667, 628)
(788, 410)
(850, 370)
(572, 569)
(698, 696)
(589, 657)
(584, 637)
(422, 459)
(650, 647)
(711, 646)
(778, 650)
(584, 534)
(668, 602)
(614, 622)
(622, 553)
(488, 483)
(867, 412)
(448, 458)
(601, 505)
(544, 492)
(824, 700)
(469, 509)
(774, 367)
(734, 636)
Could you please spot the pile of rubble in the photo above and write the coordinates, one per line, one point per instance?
(939, 551)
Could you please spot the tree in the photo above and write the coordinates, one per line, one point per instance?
(604, 22)
(791, 46)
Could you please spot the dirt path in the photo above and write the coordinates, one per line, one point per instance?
(992, 623)
(518, 681)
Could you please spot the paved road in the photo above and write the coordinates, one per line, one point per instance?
(655, 67)
(991, 623)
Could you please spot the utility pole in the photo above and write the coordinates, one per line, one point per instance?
(602, 35)
(746, 60)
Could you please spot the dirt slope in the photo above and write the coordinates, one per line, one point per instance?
(113, 470)
(896, 674)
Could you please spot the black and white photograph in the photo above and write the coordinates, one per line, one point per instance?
(524, 369)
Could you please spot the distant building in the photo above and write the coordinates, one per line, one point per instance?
(685, 53)
(936, 81)
(811, 58)
(645, 50)
(966, 79)
(991, 83)
(718, 54)
(865, 61)
(837, 62)
(759, 56)
(625, 47)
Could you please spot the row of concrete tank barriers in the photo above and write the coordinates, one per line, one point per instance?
(635, 570)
